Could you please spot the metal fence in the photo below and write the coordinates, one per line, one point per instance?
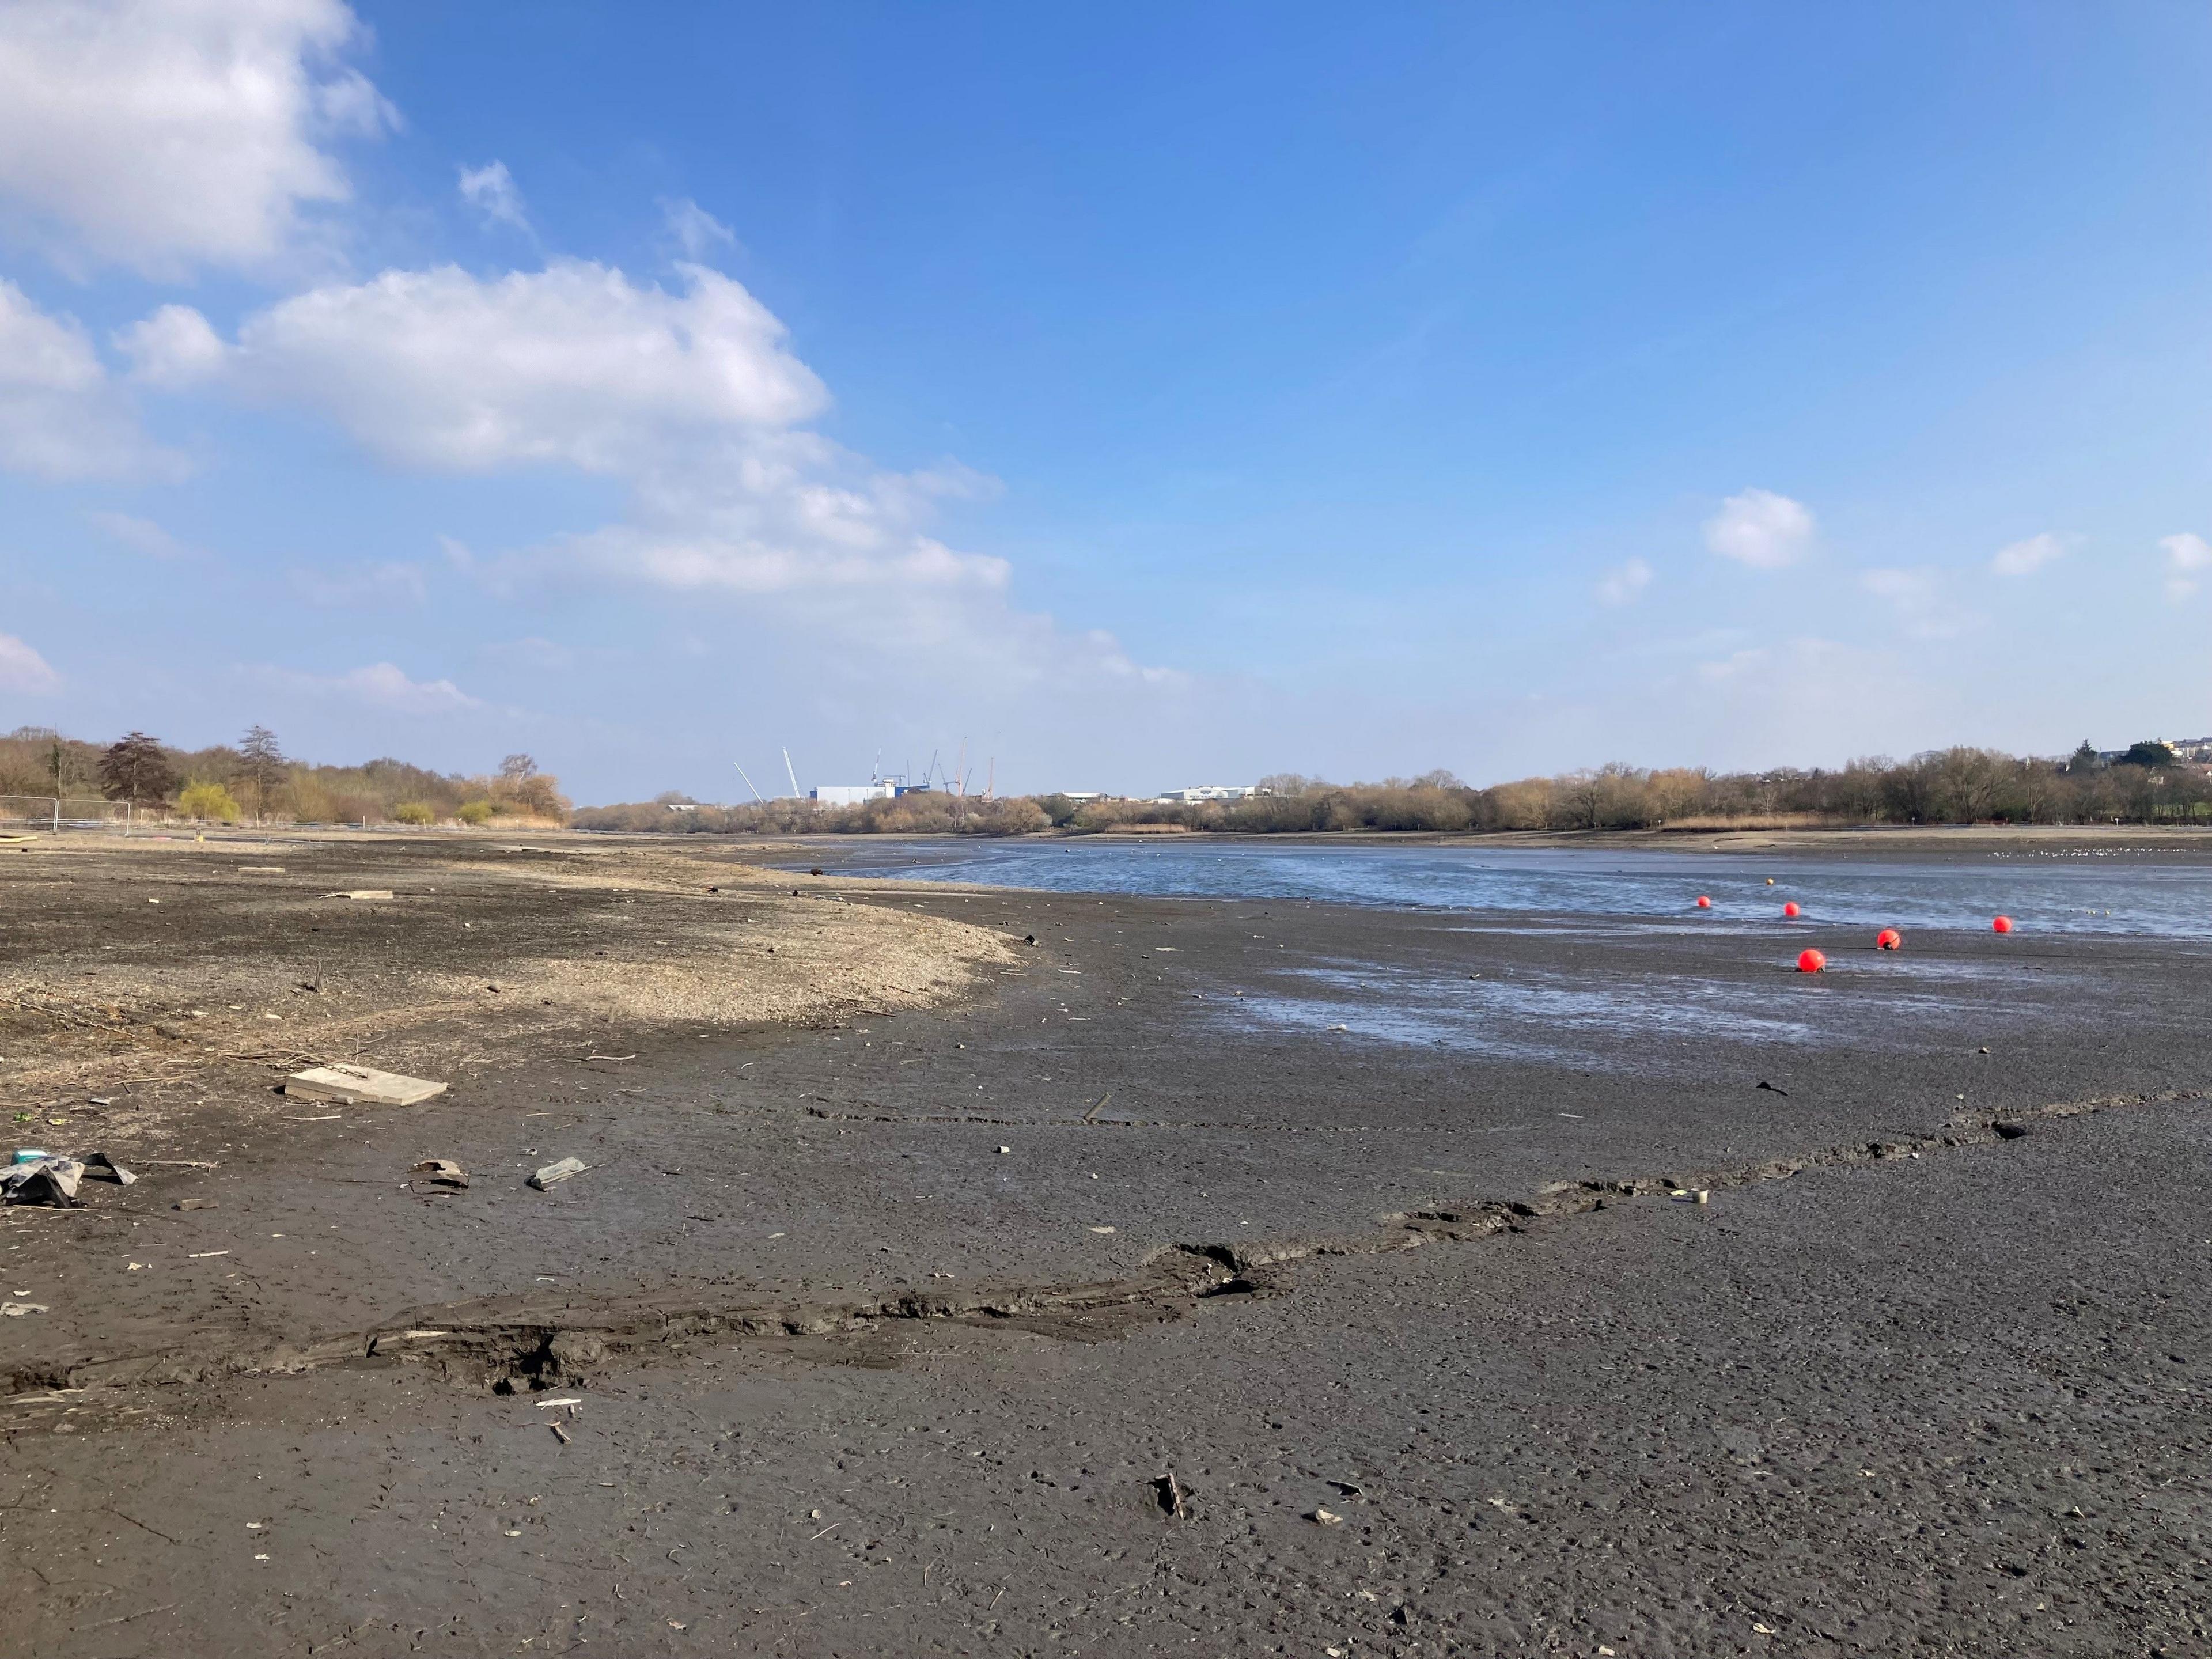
(52, 814)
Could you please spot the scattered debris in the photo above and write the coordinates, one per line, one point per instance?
(1328, 1517)
(1101, 1230)
(1174, 1500)
(559, 1433)
(358, 1085)
(2008, 1131)
(565, 1399)
(1772, 1090)
(44, 1180)
(1003, 1151)
(17, 1310)
(364, 893)
(553, 1174)
(1091, 1116)
(261, 869)
(1691, 1194)
(440, 1172)
(101, 1167)
(193, 1204)
(202, 1255)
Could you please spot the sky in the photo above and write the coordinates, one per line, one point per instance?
(1123, 399)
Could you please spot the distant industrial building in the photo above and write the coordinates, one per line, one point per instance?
(852, 794)
(1205, 792)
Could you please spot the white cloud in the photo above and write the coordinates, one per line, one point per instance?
(22, 669)
(696, 231)
(692, 399)
(173, 349)
(61, 416)
(2187, 558)
(2025, 558)
(1624, 583)
(168, 134)
(380, 685)
(574, 365)
(1760, 529)
(140, 535)
(491, 190)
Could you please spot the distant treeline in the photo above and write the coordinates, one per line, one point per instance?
(254, 781)
(2148, 785)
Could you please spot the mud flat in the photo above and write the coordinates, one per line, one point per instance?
(906, 1270)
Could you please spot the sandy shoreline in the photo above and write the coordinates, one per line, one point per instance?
(1302, 1268)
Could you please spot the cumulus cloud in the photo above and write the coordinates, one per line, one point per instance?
(689, 397)
(172, 350)
(2187, 559)
(1760, 529)
(1623, 583)
(61, 415)
(168, 134)
(491, 190)
(380, 685)
(574, 365)
(696, 231)
(22, 669)
(2025, 558)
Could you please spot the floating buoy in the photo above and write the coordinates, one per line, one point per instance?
(1790, 909)
(1888, 939)
(1704, 903)
(1770, 881)
(2002, 925)
(1811, 961)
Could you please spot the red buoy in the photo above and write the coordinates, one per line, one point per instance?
(1790, 909)
(1888, 939)
(2002, 925)
(1811, 961)
(1704, 903)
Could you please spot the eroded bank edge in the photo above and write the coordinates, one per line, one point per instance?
(526, 1343)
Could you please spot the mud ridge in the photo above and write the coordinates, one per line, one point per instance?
(532, 1341)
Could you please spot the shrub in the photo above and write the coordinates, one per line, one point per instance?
(200, 801)
(415, 812)
(475, 813)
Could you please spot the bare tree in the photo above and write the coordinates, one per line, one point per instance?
(261, 766)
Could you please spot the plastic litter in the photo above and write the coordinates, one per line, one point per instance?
(50, 1180)
(553, 1174)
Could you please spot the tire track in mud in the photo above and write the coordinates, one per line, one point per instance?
(528, 1342)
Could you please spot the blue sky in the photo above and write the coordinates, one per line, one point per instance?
(1142, 397)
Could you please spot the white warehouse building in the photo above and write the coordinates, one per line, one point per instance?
(850, 794)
